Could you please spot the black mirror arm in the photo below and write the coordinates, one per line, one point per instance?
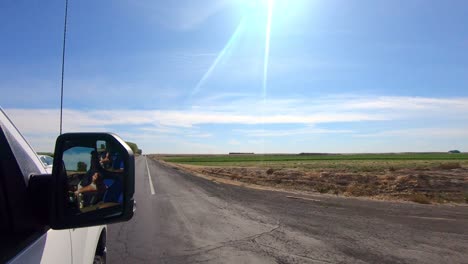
(39, 188)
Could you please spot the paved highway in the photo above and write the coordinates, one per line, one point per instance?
(182, 218)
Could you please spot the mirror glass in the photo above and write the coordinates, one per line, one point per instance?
(95, 172)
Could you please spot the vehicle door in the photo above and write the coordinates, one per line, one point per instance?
(23, 239)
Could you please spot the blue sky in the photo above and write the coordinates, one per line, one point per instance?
(199, 77)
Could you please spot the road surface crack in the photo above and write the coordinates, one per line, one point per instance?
(292, 254)
(228, 243)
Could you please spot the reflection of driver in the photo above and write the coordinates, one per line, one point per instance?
(97, 184)
(105, 159)
(94, 168)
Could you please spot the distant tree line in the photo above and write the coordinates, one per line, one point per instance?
(134, 147)
(81, 166)
(313, 153)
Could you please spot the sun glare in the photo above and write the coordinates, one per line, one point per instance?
(221, 55)
(267, 46)
(257, 15)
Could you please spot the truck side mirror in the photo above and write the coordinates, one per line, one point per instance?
(93, 180)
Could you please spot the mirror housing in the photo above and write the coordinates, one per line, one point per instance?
(67, 210)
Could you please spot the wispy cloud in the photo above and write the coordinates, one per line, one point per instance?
(180, 15)
(342, 106)
(47, 119)
(407, 103)
(249, 119)
(433, 132)
(289, 132)
(247, 111)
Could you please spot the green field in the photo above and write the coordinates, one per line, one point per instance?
(347, 162)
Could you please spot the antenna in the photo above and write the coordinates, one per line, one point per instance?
(63, 63)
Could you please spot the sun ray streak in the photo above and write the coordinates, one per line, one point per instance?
(265, 63)
(220, 56)
(267, 48)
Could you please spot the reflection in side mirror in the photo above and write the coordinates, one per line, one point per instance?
(93, 179)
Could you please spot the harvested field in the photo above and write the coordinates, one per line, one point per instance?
(419, 178)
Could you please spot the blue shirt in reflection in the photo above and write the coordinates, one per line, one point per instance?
(117, 162)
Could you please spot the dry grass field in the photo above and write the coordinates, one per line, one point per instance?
(422, 178)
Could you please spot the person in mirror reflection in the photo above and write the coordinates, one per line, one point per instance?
(106, 160)
(94, 168)
(97, 184)
(117, 163)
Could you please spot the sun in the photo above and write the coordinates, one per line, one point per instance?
(257, 16)
(256, 11)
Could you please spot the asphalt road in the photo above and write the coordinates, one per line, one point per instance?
(193, 220)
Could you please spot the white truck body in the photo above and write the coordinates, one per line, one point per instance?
(54, 246)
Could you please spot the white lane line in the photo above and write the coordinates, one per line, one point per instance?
(149, 177)
(302, 198)
(433, 218)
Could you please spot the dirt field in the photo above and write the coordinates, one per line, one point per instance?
(422, 181)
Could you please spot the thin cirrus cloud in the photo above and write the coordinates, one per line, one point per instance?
(180, 15)
(46, 120)
(408, 103)
(249, 118)
(460, 132)
(290, 132)
(249, 111)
